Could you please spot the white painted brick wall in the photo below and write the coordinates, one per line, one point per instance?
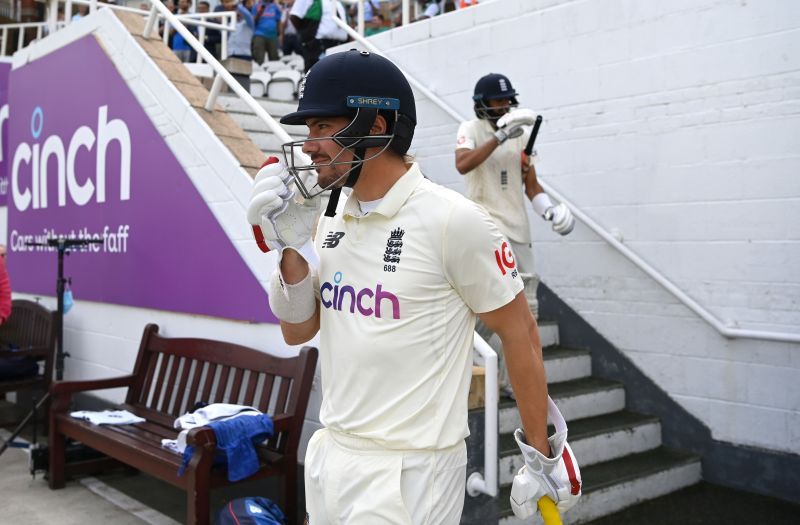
(678, 124)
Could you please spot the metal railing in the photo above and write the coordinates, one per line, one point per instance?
(487, 482)
(683, 297)
(52, 24)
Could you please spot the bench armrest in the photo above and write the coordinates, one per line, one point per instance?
(201, 437)
(204, 436)
(281, 423)
(61, 388)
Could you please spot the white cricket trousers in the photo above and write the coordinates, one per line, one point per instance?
(354, 481)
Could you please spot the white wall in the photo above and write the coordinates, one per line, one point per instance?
(677, 123)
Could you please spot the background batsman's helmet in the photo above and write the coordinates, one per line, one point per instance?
(492, 87)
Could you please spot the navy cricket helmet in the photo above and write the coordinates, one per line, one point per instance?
(360, 85)
(493, 86)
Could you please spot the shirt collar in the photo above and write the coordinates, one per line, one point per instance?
(397, 195)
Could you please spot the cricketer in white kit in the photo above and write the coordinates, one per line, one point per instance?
(405, 266)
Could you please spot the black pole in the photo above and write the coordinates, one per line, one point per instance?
(62, 245)
(60, 285)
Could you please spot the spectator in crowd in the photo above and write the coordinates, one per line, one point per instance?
(179, 45)
(499, 176)
(430, 9)
(210, 36)
(80, 12)
(5, 287)
(214, 36)
(314, 20)
(240, 40)
(290, 42)
(267, 17)
(373, 20)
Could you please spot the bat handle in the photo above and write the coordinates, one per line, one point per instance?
(549, 511)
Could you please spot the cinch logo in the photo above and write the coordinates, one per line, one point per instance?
(505, 259)
(367, 301)
(38, 156)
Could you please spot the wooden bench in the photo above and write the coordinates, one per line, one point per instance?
(28, 333)
(169, 377)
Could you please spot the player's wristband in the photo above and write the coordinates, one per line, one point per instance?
(541, 203)
(293, 303)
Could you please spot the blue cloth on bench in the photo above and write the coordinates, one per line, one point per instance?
(235, 439)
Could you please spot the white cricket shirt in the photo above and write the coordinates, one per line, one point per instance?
(399, 289)
(497, 183)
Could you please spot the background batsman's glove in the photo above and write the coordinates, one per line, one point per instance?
(278, 221)
(563, 221)
(509, 126)
(557, 477)
(560, 215)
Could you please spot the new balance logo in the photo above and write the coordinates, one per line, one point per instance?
(332, 239)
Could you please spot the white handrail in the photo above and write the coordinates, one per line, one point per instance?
(643, 265)
(477, 483)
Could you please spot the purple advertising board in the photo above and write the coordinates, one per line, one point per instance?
(85, 160)
(5, 69)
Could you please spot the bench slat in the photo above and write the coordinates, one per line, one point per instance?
(250, 393)
(208, 381)
(198, 372)
(166, 406)
(152, 360)
(236, 388)
(180, 397)
(219, 396)
(266, 393)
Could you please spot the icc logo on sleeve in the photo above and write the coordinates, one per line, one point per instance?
(505, 260)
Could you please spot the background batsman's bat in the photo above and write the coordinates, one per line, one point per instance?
(529, 147)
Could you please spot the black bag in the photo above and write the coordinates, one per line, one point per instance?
(18, 367)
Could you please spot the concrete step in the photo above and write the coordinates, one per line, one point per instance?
(276, 108)
(593, 440)
(615, 485)
(268, 141)
(548, 333)
(251, 122)
(577, 399)
(566, 364)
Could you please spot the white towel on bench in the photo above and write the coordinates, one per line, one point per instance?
(202, 417)
(108, 417)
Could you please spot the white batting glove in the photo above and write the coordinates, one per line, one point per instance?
(563, 221)
(278, 221)
(560, 215)
(558, 477)
(509, 126)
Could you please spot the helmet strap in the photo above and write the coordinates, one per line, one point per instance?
(351, 180)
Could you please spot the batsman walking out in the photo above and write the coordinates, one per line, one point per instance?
(404, 269)
(494, 153)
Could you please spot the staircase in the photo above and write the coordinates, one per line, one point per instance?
(620, 453)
